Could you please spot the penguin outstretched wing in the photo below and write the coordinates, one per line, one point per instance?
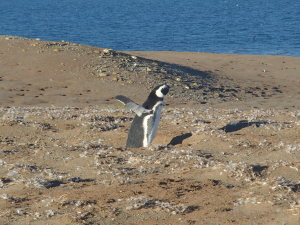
(129, 104)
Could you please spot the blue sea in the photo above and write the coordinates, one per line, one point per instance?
(264, 27)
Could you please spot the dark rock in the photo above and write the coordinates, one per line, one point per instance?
(52, 183)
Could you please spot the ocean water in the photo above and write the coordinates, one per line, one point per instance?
(264, 27)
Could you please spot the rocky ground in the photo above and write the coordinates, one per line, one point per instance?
(215, 160)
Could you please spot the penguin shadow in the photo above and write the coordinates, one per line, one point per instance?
(238, 125)
(179, 139)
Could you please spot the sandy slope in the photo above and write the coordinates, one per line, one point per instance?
(254, 71)
(235, 153)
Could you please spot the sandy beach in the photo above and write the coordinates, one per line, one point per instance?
(227, 149)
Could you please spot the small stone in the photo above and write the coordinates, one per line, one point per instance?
(178, 79)
(20, 211)
(56, 50)
(195, 84)
(186, 87)
(12, 173)
(37, 215)
(115, 79)
(5, 196)
(102, 75)
(50, 212)
(97, 51)
(148, 69)
(106, 51)
(133, 57)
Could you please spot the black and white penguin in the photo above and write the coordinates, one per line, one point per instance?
(144, 126)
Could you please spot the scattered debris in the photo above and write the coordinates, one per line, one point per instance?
(67, 174)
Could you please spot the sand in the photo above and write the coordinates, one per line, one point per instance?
(227, 149)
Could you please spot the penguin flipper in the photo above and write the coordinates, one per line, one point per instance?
(123, 99)
(131, 105)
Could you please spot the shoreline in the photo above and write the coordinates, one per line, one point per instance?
(161, 50)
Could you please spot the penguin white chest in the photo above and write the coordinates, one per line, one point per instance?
(151, 123)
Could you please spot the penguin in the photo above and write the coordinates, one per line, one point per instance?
(144, 125)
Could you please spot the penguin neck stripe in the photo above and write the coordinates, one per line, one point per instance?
(159, 93)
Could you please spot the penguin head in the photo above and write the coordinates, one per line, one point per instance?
(156, 95)
(161, 90)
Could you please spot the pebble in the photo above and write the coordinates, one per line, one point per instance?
(51, 212)
(102, 75)
(12, 173)
(5, 196)
(20, 212)
(107, 51)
